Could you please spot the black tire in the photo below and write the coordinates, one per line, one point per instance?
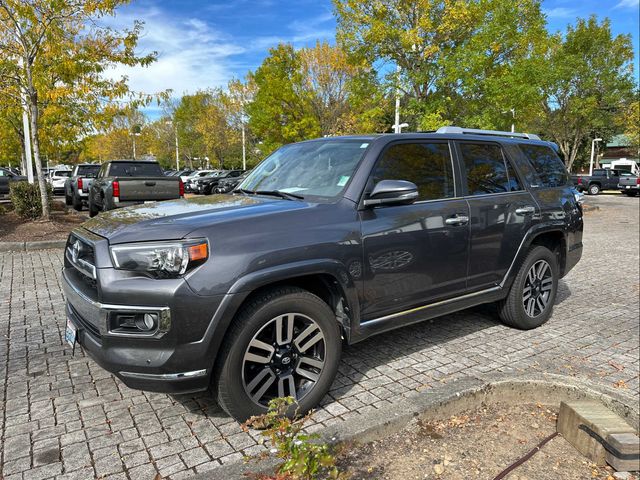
(594, 189)
(67, 199)
(253, 319)
(77, 203)
(631, 194)
(512, 309)
(93, 211)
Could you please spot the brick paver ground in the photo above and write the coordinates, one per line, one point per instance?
(64, 417)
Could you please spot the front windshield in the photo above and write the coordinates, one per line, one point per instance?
(321, 168)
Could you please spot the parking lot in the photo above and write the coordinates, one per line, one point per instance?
(64, 417)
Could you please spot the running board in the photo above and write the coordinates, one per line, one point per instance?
(426, 312)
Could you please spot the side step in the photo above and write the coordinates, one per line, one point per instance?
(600, 435)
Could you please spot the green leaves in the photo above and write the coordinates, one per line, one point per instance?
(303, 456)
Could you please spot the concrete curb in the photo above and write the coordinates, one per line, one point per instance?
(444, 401)
(31, 246)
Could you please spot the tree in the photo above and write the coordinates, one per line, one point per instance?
(310, 93)
(589, 82)
(221, 135)
(630, 123)
(59, 45)
(460, 61)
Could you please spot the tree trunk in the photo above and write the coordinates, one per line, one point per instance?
(32, 96)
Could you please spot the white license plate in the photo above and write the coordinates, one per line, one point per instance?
(628, 186)
(70, 334)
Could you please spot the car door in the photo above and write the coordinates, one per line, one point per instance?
(5, 176)
(613, 178)
(501, 211)
(414, 254)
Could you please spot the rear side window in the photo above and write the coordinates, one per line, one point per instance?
(487, 169)
(428, 165)
(134, 169)
(547, 165)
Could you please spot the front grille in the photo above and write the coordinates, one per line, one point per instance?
(84, 324)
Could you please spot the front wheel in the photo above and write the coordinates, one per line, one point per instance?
(285, 343)
(594, 189)
(530, 301)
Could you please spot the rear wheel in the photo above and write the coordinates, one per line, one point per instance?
(533, 293)
(93, 210)
(594, 189)
(68, 200)
(285, 343)
(77, 203)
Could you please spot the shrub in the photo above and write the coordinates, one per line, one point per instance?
(25, 198)
(304, 457)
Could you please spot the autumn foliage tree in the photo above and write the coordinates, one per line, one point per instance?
(56, 53)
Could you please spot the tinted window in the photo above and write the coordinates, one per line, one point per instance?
(87, 170)
(4, 173)
(547, 165)
(428, 165)
(487, 169)
(134, 169)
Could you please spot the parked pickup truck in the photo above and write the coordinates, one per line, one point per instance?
(122, 183)
(76, 188)
(602, 179)
(629, 185)
(6, 177)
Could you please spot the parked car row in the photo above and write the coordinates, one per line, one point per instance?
(607, 179)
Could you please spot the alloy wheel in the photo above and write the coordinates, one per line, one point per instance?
(285, 358)
(537, 288)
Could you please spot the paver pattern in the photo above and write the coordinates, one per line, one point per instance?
(63, 417)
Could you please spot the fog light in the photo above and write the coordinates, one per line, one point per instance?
(147, 321)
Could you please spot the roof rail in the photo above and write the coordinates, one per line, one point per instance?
(497, 133)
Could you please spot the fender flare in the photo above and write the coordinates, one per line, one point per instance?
(245, 285)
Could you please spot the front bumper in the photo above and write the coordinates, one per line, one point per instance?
(175, 358)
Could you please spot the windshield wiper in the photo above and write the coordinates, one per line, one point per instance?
(280, 193)
(275, 193)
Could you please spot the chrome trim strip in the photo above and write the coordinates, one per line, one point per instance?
(431, 305)
(165, 376)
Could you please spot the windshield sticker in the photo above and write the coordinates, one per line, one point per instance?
(364, 145)
(343, 180)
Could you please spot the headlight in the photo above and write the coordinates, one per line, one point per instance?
(163, 259)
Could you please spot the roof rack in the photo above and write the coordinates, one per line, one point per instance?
(496, 133)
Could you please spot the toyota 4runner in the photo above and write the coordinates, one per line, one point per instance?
(325, 243)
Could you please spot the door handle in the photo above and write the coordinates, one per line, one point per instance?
(457, 220)
(525, 210)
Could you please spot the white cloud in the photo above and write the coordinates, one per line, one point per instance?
(561, 12)
(628, 4)
(191, 55)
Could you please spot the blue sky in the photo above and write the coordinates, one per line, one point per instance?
(204, 44)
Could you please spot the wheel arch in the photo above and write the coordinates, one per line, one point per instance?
(554, 239)
(326, 279)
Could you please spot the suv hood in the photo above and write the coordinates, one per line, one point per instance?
(175, 219)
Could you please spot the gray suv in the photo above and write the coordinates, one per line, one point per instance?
(325, 243)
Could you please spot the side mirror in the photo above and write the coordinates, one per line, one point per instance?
(392, 192)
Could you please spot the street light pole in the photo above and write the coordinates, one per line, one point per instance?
(513, 118)
(175, 131)
(397, 124)
(593, 151)
(244, 149)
